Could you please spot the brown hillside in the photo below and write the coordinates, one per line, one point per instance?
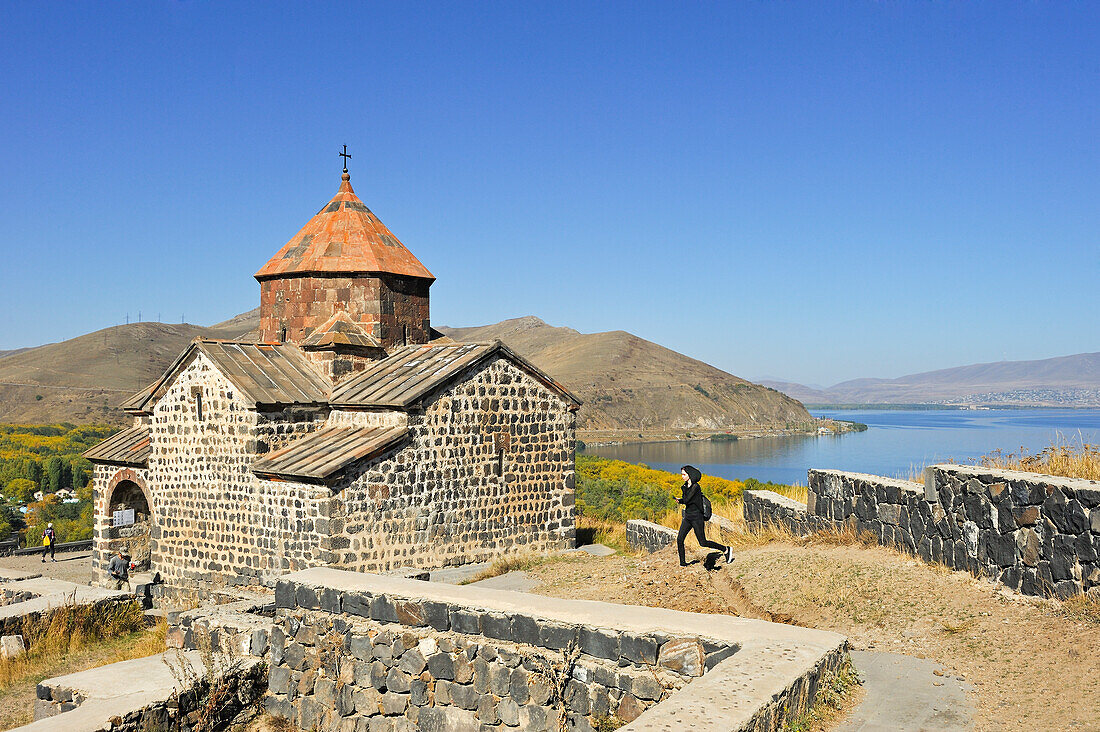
(627, 382)
(84, 379)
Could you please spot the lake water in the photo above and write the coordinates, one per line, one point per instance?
(897, 443)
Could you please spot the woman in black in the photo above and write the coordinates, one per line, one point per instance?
(693, 520)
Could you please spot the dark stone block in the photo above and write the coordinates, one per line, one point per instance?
(556, 636)
(353, 603)
(638, 648)
(1011, 577)
(1064, 558)
(284, 594)
(306, 597)
(437, 615)
(1086, 548)
(599, 644)
(345, 700)
(330, 600)
(464, 621)
(525, 629)
(361, 647)
(1067, 589)
(496, 625)
(294, 656)
(1001, 548)
(278, 645)
(382, 609)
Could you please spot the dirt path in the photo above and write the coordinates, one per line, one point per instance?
(1030, 666)
(70, 566)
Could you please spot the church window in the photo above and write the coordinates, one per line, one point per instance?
(196, 391)
(282, 336)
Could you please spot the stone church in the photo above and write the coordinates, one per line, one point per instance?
(349, 434)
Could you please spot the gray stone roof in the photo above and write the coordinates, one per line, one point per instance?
(129, 447)
(320, 456)
(411, 373)
(275, 374)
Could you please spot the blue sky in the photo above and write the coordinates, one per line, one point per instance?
(815, 191)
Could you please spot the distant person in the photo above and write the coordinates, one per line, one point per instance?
(49, 540)
(694, 517)
(119, 569)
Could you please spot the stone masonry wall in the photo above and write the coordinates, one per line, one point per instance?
(488, 469)
(215, 522)
(1038, 534)
(385, 306)
(363, 660)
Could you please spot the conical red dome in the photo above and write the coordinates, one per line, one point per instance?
(344, 237)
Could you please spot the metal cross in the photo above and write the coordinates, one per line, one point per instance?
(345, 156)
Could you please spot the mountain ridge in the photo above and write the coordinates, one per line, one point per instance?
(1072, 380)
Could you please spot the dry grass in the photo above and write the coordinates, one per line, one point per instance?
(1081, 607)
(1068, 459)
(516, 563)
(67, 630)
(608, 533)
(844, 535)
(57, 657)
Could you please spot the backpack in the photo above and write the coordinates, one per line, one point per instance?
(707, 510)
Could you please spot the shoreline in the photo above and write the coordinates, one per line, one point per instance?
(825, 428)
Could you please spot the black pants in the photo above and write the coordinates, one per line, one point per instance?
(698, 526)
(48, 549)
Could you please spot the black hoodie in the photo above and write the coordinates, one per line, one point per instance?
(692, 497)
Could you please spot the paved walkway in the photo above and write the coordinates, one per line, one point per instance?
(118, 689)
(903, 694)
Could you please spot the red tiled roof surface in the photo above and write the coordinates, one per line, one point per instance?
(344, 237)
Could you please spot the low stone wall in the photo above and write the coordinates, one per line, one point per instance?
(12, 595)
(238, 629)
(649, 536)
(763, 507)
(84, 545)
(1038, 534)
(351, 651)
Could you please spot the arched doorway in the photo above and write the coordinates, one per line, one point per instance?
(129, 521)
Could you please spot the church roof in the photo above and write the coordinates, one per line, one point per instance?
(340, 330)
(129, 447)
(412, 372)
(321, 455)
(345, 237)
(276, 374)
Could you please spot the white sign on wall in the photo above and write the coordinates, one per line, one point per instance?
(123, 518)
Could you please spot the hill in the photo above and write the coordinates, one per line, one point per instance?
(83, 379)
(1062, 381)
(627, 382)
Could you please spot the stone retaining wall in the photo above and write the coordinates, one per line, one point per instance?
(238, 629)
(649, 536)
(371, 652)
(1038, 534)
